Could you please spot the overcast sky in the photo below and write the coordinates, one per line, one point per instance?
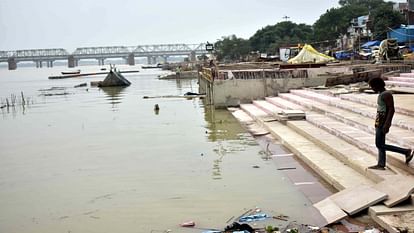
(26, 24)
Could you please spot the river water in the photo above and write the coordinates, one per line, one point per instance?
(96, 160)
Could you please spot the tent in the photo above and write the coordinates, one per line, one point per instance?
(309, 55)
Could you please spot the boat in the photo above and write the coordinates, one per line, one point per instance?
(159, 65)
(70, 72)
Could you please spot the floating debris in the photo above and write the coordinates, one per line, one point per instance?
(53, 94)
(81, 85)
(188, 224)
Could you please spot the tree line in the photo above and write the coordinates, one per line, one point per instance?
(330, 25)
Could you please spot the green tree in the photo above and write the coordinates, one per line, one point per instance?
(270, 38)
(337, 20)
(383, 19)
(232, 48)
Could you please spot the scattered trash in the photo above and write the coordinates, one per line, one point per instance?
(271, 229)
(294, 227)
(373, 230)
(254, 217)
(188, 224)
(294, 230)
(237, 227)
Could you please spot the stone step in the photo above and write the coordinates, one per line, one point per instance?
(371, 100)
(403, 121)
(402, 79)
(332, 170)
(399, 84)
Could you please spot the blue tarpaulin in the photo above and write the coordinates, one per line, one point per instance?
(371, 43)
(403, 34)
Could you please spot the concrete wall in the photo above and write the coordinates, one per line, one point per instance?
(236, 91)
(232, 88)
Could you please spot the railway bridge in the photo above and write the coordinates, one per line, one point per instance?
(128, 53)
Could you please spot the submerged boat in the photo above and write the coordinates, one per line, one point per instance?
(71, 72)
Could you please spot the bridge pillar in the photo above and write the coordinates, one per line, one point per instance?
(49, 64)
(131, 59)
(154, 60)
(165, 58)
(149, 59)
(192, 56)
(12, 63)
(101, 61)
(71, 61)
(39, 64)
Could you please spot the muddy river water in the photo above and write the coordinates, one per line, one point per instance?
(92, 160)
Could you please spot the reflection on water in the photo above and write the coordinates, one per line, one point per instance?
(114, 95)
(229, 136)
(221, 125)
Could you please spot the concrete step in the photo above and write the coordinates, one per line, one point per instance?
(267, 107)
(344, 151)
(353, 151)
(332, 170)
(402, 121)
(402, 79)
(410, 75)
(253, 111)
(358, 138)
(284, 104)
(399, 136)
(399, 84)
(251, 125)
(400, 101)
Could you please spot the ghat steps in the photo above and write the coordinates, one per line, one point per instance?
(337, 141)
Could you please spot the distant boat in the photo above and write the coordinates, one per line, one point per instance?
(71, 72)
(152, 66)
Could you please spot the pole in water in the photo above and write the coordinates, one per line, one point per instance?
(23, 102)
(156, 109)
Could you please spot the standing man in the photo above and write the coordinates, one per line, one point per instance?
(385, 112)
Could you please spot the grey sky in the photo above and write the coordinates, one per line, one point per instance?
(70, 24)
